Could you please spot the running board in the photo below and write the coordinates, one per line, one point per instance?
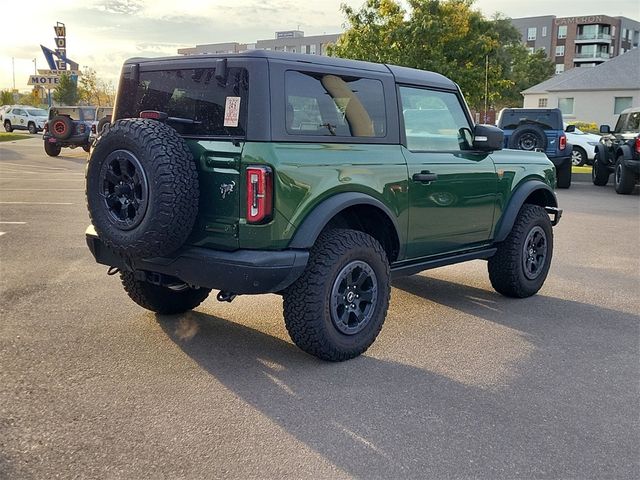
(404, 269)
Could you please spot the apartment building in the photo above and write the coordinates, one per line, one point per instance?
(584, 41)
(286, 41)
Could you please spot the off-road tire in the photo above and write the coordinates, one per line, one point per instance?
(103, 121)
(32, 128)
(623, 179)
(7, 126)
(506, 270)
(161, 299)
(61, 127)
(52, 149)
(599, 173)
(578, 156)
(307, 303)
(172, 186)
(564, 176)
(534, 132)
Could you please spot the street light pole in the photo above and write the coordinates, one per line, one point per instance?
(13, 68)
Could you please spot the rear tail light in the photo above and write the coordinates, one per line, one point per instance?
(563, 142)
(637, 145)
(259, 194)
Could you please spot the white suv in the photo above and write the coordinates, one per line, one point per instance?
(21, 117)
(584, 145)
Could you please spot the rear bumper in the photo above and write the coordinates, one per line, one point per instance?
(73, 141)
(241, 271)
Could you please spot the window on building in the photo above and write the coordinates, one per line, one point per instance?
(333, 106)
(312, 49)
(566, 105)
(613, 30)
(559, 68)
(621, 103)
(562, 31)
(542, 102)
(532, 33)
(544, 31)
(303, 49)
(560, 51)
(624, 34)
(531, 49)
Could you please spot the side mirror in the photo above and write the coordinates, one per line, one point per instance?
(605, 129)
(487, 138)
(570, 129)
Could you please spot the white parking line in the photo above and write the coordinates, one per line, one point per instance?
(35, 203)
(2, 233)
(32, 166)
(14, 223)
(45, 179)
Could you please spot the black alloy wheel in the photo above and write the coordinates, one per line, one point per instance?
(353, 297)
(534, 253)
(528, 141)
(124, 188)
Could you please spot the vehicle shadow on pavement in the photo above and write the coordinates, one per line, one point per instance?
(374, 418)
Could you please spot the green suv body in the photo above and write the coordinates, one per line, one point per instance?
(312, 177)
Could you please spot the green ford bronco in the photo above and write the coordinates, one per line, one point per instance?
(320, 179)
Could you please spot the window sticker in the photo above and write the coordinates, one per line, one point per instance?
(231, 111)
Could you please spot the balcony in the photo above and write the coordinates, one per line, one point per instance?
(593, 38)
(591, 57)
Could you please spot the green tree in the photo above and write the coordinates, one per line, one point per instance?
(66, 92)
(445, 36)
(6, 97)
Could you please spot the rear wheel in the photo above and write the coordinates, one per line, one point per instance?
(624, 179)
(564, 176)
(52, 149)
(578, 156)
(336, 309)
(32, 128)
(521, 263)
(172, 299)
(7, 126)
(599, 172)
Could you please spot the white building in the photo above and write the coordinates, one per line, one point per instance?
(595, 94)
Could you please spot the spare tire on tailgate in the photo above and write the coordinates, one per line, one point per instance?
(61, 127)
(528, 137)
(142, 188)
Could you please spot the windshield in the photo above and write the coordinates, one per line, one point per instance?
(37, 112)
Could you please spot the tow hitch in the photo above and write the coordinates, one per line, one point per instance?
(226, 296)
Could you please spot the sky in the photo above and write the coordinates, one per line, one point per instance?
(103, 33)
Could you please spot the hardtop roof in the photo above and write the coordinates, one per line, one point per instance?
(406, 75)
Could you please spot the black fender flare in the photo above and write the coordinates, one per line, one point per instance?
(311, 227)
(515, 204)
(623, 151)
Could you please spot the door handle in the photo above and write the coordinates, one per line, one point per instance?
(425, 176)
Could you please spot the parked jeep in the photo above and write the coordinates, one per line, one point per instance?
(619, 153)
(539, 129)
(319, 179)
(102, 117)
(68, 127)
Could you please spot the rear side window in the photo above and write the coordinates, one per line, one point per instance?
(510, 120)
(194, 99)
(328, 105)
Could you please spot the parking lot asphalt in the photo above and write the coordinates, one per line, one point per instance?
(461, 383)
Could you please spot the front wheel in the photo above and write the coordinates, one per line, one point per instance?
(599, 173)
(177, 298)
(624, 179)
(336, 309)
(521, 263)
